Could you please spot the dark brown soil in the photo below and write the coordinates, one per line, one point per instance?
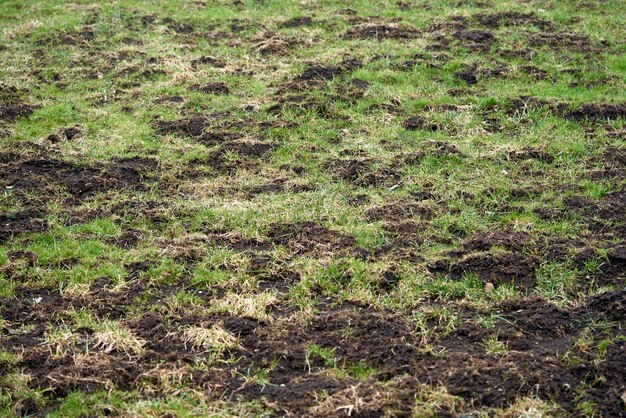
(475, 39)
(307, 238)
(362, 173)
(566, 353)
(65, 134)
(498, 268)
(269, 43)
(16, 223)
(206, 60)
(415, 123)
(212, 88)
(531, 154)
(193, 125)
(535, 332)
(297, 22)
(304, 102)
(394, 212)
(535, 72)
(328, 72)
(78, 180)
(12, 106)
(469, 75)
(595, 112)
(381, 31)
(564, 40)
(508, 18)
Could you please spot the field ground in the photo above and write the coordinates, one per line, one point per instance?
(313, 208)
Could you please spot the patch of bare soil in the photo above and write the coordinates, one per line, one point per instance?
(207, 129)
(277, 185)
(328, 72)
(296, 93)
(229, 157)
(65, 134)
(601, 214)
(472, 74)
(495, 268)
(589, 112)
(351, 91)
(193, 125)
(236, 242)
(80, 181)
(309, 238)
(459, 32)
(24, 221)
(216, 87)
(509, 256)
(381, 31)
(510, 18)
(595, 112)
(475, 39)
(297, 22)
(12, 106)
(362, 172)
(563, 41)
(396, 211)
(535, 332)
(535, 72)
(83, 38)
(315, 76)
(417, 122)
(207, 60)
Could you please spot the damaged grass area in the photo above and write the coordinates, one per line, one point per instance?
(286, 208)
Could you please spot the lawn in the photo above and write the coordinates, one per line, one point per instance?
(313, 208)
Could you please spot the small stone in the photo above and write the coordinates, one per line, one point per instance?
(489, 287)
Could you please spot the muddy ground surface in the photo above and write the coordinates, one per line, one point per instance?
(413, 209)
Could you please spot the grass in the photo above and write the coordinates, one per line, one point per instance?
(262, 208)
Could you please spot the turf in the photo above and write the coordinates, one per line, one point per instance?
(312, 208)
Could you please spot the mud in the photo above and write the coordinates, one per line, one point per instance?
(475, 39)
